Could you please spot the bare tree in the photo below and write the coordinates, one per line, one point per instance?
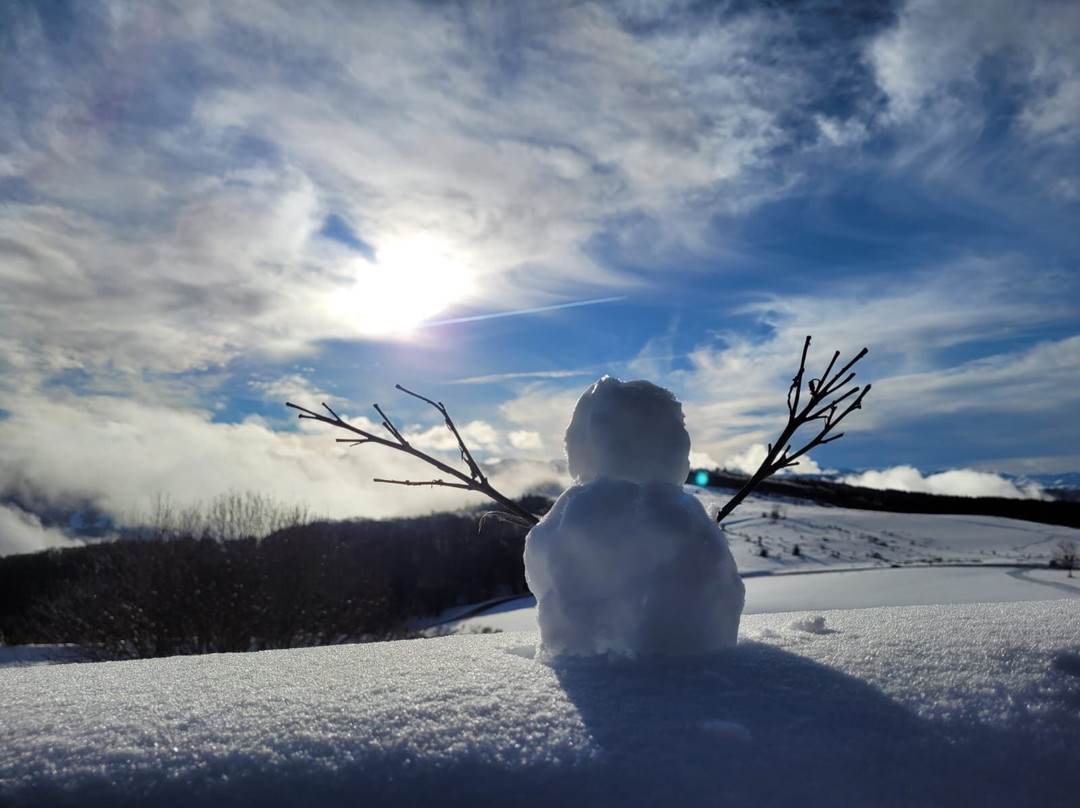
(822, 405)
(1066, 555)
(232, 515)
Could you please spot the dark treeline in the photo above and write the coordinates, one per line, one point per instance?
(320, 583)
(841, 495)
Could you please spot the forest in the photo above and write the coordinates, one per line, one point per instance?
(311, 584)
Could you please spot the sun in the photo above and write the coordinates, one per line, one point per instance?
(410, 281)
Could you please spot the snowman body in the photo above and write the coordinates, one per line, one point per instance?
(626, 562)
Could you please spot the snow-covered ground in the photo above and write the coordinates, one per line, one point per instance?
(850, 559)
(920, 705)
(841, 537)
(971, 700)
(849, 589)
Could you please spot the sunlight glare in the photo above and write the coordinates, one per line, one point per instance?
(411, 281)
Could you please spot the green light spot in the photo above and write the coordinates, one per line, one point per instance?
(701, 478)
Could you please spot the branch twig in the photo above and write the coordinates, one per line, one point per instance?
(825, 395)
(473, 480)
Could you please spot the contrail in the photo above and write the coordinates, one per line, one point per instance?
(518, 312)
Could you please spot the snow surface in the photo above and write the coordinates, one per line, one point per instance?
(924, 705)
(847, 589)
(625, 553)
(932, 705)
(915, 564)
(845, 538)
(630, 430)
(616, 566)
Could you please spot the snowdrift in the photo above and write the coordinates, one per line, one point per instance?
(923, 705)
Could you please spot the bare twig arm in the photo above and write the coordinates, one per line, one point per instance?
(473, 480)
(466, 455)
(825, 394)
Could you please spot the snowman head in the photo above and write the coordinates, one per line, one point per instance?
(628, 430)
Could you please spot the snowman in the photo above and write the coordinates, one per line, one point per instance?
(626, 562)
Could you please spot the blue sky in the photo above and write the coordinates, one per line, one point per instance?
(208, 208)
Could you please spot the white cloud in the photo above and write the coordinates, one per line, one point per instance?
(544, 409)
(178, 185)
(476, 434)
(734, 392)
(1043, 377)
(932, 60)
(22, 532)
(956, 482)
(842, 132)
(1055, 115)
(703, 460)
(750, 460)
(526, 439)
(175, 190)
(978, 91)
(940, 345)
(90, 297)
(119, 454)
(933, 47)
(293, 387)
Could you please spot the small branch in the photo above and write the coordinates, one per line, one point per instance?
(466, 455)
(389, 426)
(503, 516)
(472, 480)
(824, 395)
(796, 383)
(432, 483)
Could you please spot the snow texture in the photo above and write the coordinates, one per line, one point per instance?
(629, 430)
(626, 553)
(925, 705)
(847, 589)
(616, 566)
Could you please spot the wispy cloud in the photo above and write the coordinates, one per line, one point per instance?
(977, 87)
(173, 179)
(293, 387)
(918, 337)
(939, 342)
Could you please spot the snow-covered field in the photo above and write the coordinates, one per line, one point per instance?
(921, 705)
(972, 700)
(851, 559)
(849, 589)
(839, 537)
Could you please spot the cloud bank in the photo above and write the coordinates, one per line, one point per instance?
(149, 451)
(750, 461)
(22, 532)
(953, 483)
